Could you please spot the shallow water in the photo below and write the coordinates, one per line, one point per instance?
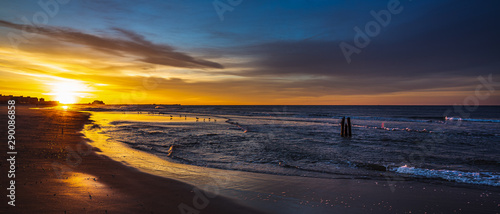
(411, 142)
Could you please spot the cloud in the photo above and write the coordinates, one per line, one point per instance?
(433, 51)
(126, 43)
(451, 39)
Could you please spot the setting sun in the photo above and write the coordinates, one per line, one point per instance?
(68, 92)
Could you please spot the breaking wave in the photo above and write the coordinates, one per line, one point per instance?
(484, 178)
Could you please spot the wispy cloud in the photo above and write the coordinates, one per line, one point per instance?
(126, 43)
(263, 53)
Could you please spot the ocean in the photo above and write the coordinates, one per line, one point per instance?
(438, 144)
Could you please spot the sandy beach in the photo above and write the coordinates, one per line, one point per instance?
(59, 172)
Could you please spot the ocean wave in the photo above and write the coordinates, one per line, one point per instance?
(394, 129)
(402, 119)
(483, 178)
(472, 120)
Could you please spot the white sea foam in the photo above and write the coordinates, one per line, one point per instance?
(484, 178)
(472, 120)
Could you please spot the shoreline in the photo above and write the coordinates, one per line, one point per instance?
(97, 183)
(292, 194)
(101, 119)
(59, 173)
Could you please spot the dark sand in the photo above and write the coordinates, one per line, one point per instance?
(89, 183)
(93, 183)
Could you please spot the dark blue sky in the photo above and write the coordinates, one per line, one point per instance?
(262, 52)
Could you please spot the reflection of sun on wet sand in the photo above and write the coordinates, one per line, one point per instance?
(60, 173)
(79, 184)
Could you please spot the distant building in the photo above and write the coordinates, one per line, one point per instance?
(4, 99)
(97, 102)
(26, 100)
(32, 100)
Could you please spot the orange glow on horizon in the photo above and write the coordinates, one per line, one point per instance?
(85, 76)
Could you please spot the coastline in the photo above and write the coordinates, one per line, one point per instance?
(296, 194)
(93, 182)
(57, 172)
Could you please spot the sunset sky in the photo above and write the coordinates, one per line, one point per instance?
(255, 52)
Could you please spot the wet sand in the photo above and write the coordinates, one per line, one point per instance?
(59, 172)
